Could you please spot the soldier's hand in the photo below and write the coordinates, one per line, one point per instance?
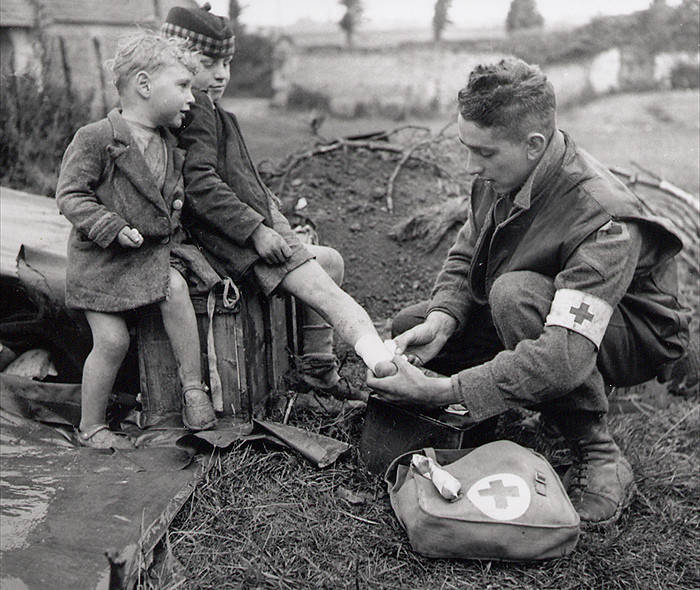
(271, 246)
(410, 385)
(129, 237)
(423, 342)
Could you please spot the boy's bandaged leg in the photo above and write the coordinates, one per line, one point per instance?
(377, 355)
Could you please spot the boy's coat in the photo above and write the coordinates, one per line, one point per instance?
(105, 184)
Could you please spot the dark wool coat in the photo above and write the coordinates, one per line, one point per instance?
(105, 185)
(226, 199)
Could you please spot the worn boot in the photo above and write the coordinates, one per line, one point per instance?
(600, 483)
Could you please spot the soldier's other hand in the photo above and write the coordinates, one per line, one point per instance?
(423, 342)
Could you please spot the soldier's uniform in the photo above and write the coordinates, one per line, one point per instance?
(560, 290)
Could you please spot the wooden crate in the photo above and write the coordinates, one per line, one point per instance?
(252, 342)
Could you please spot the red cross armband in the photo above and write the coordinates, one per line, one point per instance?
(580, 312)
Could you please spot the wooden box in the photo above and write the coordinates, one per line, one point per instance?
(253, 342)
(391, 430)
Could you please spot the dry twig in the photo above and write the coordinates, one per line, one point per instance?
(407, 155)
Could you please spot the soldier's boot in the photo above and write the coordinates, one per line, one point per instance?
(600, 482)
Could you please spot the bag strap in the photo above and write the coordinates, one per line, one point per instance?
(430, 453)
(229, 302)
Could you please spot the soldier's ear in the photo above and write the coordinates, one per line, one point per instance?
(143, 84)
(536, 144)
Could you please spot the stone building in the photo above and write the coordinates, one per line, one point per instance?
(69, 40)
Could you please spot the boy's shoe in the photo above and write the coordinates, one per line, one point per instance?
(320, 372)
(197, 410)
(101, 437)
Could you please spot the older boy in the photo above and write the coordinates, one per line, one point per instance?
(557, 287)
(121, 187)
(235, 217)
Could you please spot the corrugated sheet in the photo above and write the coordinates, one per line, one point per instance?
(115, 12)
(98, 11)
(16, 13)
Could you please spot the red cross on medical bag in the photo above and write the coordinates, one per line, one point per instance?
(510, 503)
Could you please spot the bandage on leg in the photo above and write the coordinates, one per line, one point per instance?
(376, 355)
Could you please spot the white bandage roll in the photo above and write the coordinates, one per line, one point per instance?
(446, 484)
(372, 350)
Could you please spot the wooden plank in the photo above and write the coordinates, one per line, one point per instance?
(159, 382)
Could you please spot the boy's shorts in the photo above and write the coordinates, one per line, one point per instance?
(269, 276)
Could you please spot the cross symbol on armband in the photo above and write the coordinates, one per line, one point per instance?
(581, 314)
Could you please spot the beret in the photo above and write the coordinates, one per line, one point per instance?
(209, 34)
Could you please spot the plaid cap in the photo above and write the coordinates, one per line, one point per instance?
(208, 33)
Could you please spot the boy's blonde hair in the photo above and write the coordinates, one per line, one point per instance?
(149, 52)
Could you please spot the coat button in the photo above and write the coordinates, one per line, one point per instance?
(165, 240)
(177, 204)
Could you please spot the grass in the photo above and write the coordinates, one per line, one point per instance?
(267, 519)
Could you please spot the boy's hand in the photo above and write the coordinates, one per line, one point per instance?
(271, 246)
(129, 237)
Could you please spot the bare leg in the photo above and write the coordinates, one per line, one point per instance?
(310, 284)
(180, 324)
(333, 265)
(110, 338)
(315, 288)
(318, 362)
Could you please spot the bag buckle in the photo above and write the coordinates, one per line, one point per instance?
(540, 483)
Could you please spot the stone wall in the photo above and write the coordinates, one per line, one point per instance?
(78, 55)
(425, 80)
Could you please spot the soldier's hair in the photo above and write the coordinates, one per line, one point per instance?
(149, 52)
(512, 96)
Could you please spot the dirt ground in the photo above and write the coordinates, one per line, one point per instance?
(346, 203)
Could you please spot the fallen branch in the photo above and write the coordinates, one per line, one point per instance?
(407, 156)
(377, 141)
(321, 149)
(432, 224)
(681, 208)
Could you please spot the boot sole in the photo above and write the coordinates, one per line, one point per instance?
(587, 525)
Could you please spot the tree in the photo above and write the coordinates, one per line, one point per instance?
(251, 69)
(234, 14)
(440, 18)
(351, 19)
(686, 26)
(523, 14)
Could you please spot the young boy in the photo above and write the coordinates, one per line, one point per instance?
(235, 218)
(121, 187)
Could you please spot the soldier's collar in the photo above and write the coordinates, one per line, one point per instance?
(550, 159)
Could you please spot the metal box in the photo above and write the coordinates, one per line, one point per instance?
(391, 430)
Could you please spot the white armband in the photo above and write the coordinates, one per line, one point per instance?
(580, 312)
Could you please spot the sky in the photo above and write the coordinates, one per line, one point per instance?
(392, 13)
